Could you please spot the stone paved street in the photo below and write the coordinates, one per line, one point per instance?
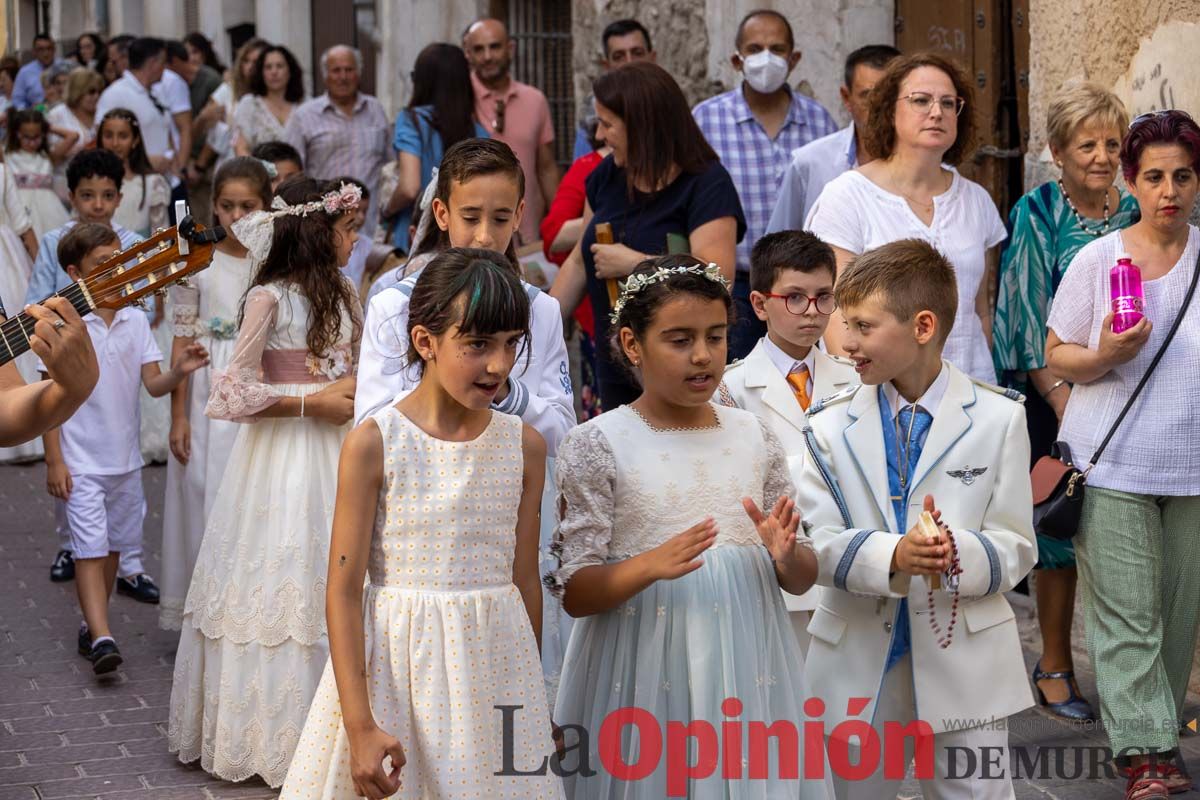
(65, 734)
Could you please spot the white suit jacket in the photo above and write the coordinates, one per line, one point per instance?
(975, 463)
(756, 385)
(540, 391)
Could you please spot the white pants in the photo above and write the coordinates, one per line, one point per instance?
(950, 760)
(104, 514)
(131, 560)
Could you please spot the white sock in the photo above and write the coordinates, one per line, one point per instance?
(96, 642)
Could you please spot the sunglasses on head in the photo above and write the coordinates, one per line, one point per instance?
(1140, 118)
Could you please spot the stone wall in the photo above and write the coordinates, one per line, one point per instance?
(1143, 49)
(694, 40)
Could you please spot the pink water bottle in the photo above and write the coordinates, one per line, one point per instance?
(1128, 300)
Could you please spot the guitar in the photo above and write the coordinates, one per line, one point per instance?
(130, 275)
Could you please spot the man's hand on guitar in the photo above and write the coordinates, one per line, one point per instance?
(60, 339)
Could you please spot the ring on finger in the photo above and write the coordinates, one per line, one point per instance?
(59, 324)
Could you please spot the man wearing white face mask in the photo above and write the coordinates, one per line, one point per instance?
(754, 129)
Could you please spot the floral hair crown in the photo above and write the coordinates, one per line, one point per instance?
(641, 280)
(256, 230)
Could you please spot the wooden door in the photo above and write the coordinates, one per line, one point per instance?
(990, 40)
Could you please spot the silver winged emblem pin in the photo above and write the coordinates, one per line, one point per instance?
(967, 474)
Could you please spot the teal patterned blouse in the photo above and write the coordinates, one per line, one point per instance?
(1044, 237)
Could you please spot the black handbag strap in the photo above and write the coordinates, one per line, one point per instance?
(1187, 301)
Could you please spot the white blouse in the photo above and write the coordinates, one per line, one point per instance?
(255, 123)
(1156, 450)
(857, 215)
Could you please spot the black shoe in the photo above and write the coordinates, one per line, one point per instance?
(105, 657)
(63, 568)
(140, 588)
(85, 642)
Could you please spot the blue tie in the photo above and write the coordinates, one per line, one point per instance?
(910, 428)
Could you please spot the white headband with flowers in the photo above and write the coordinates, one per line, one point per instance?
(256, 230)
(641, 280)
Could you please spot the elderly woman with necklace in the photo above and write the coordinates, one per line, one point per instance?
(1048, 226)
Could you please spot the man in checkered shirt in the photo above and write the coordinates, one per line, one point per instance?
(754, 129)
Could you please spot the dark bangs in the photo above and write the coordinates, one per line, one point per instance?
(475, 289)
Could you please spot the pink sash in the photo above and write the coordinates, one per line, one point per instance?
(32, 180)
(289, 366)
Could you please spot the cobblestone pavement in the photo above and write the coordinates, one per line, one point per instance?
(65, 734)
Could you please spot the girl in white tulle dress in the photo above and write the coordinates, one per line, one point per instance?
(27, 155)
(438, 499)
(17, 247)
(253, 642)
(675, 537)
(206, 311)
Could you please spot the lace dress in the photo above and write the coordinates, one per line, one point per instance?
(447, 636)
(680, 647)
(15, 268)
(255, 123)
(208, 313)
(253, 643)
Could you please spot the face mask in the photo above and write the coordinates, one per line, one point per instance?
(765, 71)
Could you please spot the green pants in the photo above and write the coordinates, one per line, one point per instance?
(1139, 564)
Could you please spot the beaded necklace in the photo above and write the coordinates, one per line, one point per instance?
(1081, 220)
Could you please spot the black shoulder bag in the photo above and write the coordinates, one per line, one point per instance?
(1057, 483)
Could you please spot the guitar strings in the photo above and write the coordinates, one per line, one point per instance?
(15, 328)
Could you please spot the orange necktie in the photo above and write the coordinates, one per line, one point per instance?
(798, 378)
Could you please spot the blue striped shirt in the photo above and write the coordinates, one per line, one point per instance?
(755, 161)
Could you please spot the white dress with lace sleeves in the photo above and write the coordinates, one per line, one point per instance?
(238, 392)
(678, 648)
(584, 479)
(253, 642)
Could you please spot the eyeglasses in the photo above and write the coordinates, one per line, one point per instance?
(799, 304)
(922, 103)
(498, 123)
(1155, 114)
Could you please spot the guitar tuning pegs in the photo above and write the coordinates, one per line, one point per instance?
(161, 292)
(141, 303)
(185, 283)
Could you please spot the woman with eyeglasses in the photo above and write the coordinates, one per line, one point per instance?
(1047, 227)
(77, 114)
(920, 125)
(1137, 543)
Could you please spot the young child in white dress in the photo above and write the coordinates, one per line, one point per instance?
(669, 566)
(206, 311)
(145, 194)
(18, 246)
(438, 499)
(253, 642)
(479, 201)
(27, 155)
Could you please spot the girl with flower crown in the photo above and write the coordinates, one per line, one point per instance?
(253, 643)
(675, 536)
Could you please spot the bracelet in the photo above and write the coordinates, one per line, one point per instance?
(302, 406)
(1057, 384)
